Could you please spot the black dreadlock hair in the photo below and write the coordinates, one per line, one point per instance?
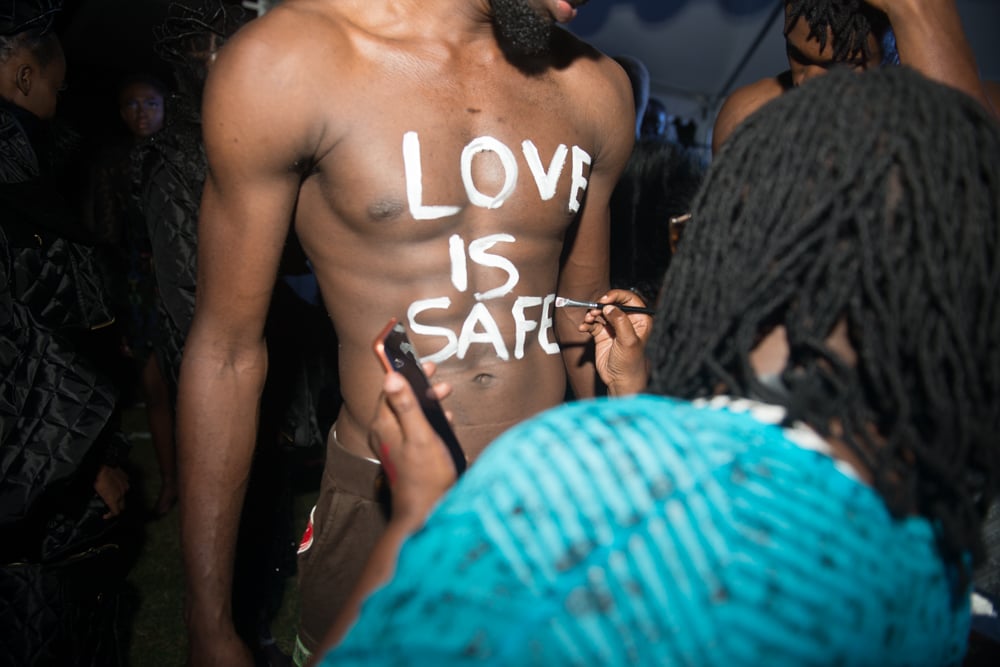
(850, 23)
(194, 31)
(872, 198)
(659, 182)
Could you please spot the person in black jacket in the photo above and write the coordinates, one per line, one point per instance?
(61, 481)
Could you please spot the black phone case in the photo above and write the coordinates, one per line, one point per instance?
(396, 353)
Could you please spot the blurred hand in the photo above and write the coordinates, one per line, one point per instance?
(620, 342)
(111, 485)
(416, 461)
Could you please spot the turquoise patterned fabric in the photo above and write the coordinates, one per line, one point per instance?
(648, 531)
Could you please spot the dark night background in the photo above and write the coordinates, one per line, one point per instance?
(104, 41)
(696, 51)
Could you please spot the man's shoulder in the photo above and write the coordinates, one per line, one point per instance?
(297, 13)
(768, 87)
(572, 54)
(741, 103)
(565, 42)
(275, 64)
(591, 72)
(290, 32)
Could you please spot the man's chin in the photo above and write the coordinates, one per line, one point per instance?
(528, 49)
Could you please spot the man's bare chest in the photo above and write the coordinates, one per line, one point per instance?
(428, 171)
(429, 151)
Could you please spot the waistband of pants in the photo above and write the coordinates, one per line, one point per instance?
(351, 473)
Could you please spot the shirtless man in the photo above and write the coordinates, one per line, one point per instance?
(446, 162)
(928, 37)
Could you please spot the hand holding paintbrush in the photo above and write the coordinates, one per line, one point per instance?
(620, 337)
(572, 303)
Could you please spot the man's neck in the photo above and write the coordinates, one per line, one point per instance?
(456, 22)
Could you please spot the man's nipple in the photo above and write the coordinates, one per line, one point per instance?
(386, 209)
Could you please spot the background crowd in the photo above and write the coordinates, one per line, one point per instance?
(99, 201)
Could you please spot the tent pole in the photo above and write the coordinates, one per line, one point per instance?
(779, 7)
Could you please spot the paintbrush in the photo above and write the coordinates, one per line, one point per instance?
(570, 303)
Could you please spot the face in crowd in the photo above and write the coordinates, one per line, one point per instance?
(807, 58)
(141, 107)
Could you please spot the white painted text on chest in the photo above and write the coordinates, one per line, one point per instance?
(546, 179)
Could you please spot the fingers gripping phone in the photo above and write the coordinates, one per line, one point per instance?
(396, 353)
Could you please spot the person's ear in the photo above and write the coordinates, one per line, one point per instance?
(23, 77)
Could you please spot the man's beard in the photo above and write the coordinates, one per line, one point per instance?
(524, 30)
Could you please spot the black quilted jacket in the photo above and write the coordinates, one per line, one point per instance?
(55, 403)
(60, 566)
(170, 172)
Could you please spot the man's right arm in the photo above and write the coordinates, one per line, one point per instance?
(930, 39)
(245, 215)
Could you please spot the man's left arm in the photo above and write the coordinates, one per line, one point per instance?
(584, 273)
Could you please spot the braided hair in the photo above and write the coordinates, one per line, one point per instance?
(191, 34)
(28, 24)
(850, 22)
(871, 199)
(18, 16)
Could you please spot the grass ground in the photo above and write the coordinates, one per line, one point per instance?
(154, 600)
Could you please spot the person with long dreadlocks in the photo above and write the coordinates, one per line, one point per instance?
(803, 479)
(862, 34)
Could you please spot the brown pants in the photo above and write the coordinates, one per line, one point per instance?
(346, 522)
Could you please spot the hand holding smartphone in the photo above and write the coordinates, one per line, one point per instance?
(395, 351)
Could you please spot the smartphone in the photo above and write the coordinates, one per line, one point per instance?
(395, 351)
